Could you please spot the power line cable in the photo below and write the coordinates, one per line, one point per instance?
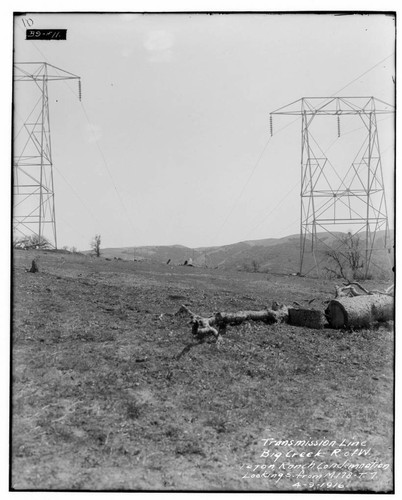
(365, 73)
(107, 169)
(76, 194)
(273, 209)
(285, 196)
(74, 228)
(104, 159)
(249, 179)
(243, 188)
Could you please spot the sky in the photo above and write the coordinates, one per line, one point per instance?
(171, 141)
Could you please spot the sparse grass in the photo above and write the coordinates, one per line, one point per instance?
(101, 402)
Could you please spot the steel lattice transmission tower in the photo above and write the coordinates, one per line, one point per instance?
(343, 190)
(34, 206)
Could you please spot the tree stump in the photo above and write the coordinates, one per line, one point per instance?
(34, 267)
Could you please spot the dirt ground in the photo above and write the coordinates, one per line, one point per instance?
(101, 400)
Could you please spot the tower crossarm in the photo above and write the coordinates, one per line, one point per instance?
(32, 71)
(335, 106)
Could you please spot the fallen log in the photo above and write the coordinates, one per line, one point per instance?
(217, 324)
(266, 315)
(359, 311)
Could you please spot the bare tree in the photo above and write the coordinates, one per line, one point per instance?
(252, 266)
(255, 266)
(348, 258)
(95, 245)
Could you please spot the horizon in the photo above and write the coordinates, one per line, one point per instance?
(294, 235)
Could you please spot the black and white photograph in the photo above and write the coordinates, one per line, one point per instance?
(202, 221)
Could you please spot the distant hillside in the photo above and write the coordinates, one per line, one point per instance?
(176, 253)
(272, 255)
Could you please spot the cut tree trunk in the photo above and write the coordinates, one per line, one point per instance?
(359, 312)
(311, 318)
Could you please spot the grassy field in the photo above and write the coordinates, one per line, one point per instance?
(102, 401)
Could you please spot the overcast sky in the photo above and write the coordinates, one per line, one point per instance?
(171, 142)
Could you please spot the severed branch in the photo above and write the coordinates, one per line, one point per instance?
(200, 326)
(349, 290)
